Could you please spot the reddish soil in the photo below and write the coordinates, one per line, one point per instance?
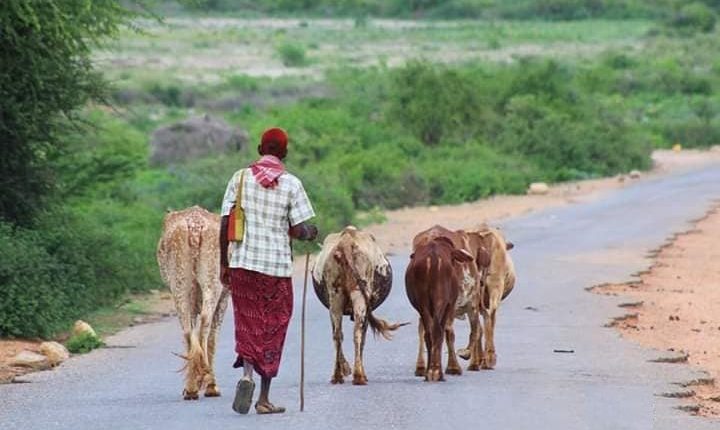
(675, 306)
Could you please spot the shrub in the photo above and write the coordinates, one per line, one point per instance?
(694, 17)
(292, 54)
(83, 342)
(433, 102)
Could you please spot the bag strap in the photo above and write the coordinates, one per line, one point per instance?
(238, 196)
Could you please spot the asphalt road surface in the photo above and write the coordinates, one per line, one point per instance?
(607, 383)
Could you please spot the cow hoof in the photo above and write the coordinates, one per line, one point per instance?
(434, 375)
(360, 380)
(488, 363)
(474, 367)
(337, 380)
(212, 391)
(453, 371)
(464, 353)
(190, 395)
(420, 371)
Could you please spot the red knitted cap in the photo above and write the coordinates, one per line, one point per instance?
(276, 135)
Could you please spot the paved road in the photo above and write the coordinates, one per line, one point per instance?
(606, 384)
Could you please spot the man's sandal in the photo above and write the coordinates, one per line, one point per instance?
(243, 396)
(268, 408)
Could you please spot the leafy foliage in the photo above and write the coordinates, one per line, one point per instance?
(47, 73)
(83, 343)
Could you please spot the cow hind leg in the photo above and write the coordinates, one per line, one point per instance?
(342, 368)
(453, 367)
(474, 346)
(211, 390)
(360, 329)
(219, 313)
(490, 358)
(420, 369)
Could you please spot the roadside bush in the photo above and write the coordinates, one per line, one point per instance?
(576, 144)
(692, 133)
(54, 273)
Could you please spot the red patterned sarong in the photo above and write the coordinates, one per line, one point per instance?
(262, 306)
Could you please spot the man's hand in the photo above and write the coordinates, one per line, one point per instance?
(312, 232)
(303, 231)
(225, 276)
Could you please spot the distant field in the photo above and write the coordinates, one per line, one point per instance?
(207, 49)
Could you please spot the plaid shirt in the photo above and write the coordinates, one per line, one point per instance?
(269, 213)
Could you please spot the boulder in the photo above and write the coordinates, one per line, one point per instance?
(55, 352)
(195, 137)
(538, 188)
(677, 147)
(634, 174)
(81, 327)
(30, 359)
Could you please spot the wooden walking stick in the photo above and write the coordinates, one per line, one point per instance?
(302, 336)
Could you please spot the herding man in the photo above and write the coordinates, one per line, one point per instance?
(259, 270)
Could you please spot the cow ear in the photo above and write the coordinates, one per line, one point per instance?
(461, 255)
(509, 245)
(483, 258)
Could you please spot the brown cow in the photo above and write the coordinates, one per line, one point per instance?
(469, 298)
(352, 277)
(433, 284)
(498, 281)
(189, 258)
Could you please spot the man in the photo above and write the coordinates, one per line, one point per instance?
(260, 267)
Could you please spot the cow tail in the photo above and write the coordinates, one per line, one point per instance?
(378, 325)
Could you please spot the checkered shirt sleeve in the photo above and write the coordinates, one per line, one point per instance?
(300, 208)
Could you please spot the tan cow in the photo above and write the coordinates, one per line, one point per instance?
(189, 258)
(352, 277)
(469, 273)
(498, 281)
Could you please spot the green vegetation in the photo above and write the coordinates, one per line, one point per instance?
(83, 342)
(384, 116)
(292, 54)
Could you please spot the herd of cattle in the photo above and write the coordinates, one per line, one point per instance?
(451, 274)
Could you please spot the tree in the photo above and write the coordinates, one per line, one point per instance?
(46, 75)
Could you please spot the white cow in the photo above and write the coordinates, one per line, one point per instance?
(352, 277)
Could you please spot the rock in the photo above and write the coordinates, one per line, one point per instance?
(81, 327)
(195, 137)
(55, 352)
(677, 147)
(433, 208)
(538, 188)
(30, 359)
(634, 174)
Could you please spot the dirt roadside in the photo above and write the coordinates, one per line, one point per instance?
(395, 234)
(674, 307)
